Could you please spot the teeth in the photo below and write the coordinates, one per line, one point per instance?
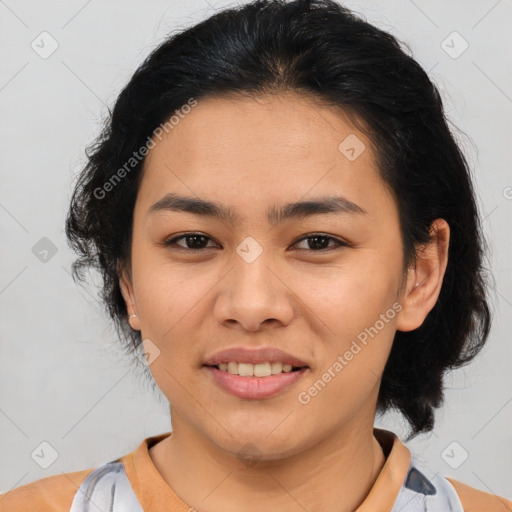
(246, 369)
(262, 370)
(276, 367)
(256, 370)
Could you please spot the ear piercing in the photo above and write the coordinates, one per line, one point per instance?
(130, 321)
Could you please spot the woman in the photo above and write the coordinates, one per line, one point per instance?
(288, 230)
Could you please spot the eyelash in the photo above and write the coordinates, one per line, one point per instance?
(172, 241)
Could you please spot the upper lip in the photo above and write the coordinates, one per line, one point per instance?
(253, 356)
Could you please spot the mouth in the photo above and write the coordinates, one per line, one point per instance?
(255, 380)
(254, 373)
(258, 370)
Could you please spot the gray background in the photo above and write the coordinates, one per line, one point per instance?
(62, 378)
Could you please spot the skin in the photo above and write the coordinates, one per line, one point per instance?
(248, 155)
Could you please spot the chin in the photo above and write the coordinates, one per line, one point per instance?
(253, 445)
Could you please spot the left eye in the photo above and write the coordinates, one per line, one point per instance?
(319, 242)
(197, 242)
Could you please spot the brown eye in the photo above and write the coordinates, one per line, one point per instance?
(191, 241)
(320, 242)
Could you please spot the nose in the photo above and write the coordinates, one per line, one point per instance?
(253, 294)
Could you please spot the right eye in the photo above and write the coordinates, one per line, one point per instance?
(192, 241)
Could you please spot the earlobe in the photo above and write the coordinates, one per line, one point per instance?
(425, 278)
(129, 300)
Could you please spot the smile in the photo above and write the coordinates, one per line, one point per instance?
(239, 378)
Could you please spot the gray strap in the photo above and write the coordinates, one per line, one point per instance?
(108, 489)
(419, 494)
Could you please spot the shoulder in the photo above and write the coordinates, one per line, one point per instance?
(474, 500)
(51, 494)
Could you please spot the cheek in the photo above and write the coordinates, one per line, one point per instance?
(352, 361)
(344, 385)
(168, 294)
(349, 296)
(354, 310)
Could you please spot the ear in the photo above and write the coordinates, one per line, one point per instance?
(129, 298)
(425, 278)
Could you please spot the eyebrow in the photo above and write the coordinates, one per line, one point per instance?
(275, 214)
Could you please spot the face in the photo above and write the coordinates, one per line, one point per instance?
(322, 286)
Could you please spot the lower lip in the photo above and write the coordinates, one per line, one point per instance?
(255, 387)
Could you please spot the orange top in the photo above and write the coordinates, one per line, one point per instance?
(399, 482)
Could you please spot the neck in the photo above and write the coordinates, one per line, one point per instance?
(336, 474)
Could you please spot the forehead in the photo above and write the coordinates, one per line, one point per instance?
(261, 148)
(280, 124)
